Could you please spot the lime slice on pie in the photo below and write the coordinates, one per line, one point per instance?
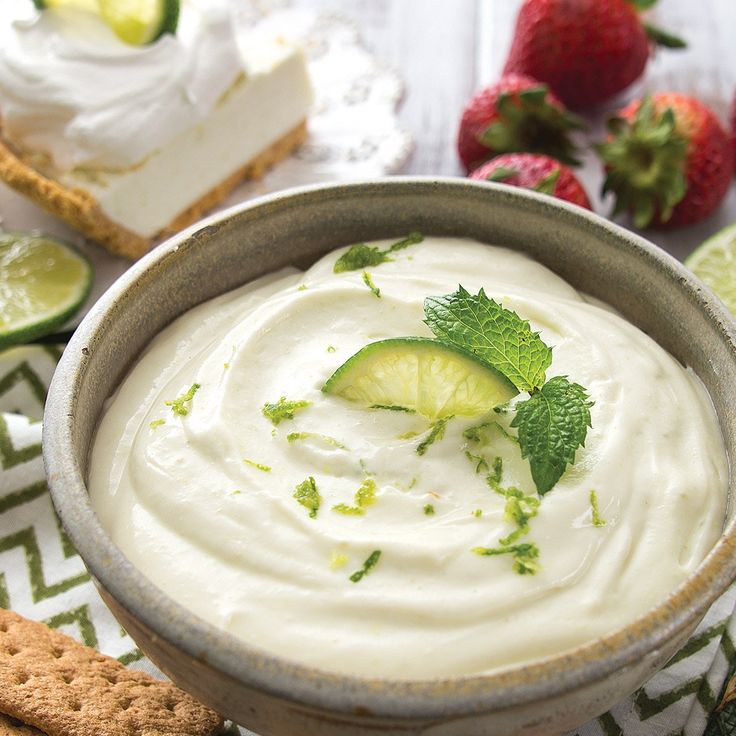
(714, 263)
(422, 375)
(136, 22)
(43, 282)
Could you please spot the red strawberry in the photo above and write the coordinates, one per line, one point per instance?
(586, 50)
(517, 113)
(537, 172)
(733, 129)
(669, 160)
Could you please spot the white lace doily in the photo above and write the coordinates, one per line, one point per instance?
(353, 130)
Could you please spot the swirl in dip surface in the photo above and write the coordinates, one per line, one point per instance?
(228, 540)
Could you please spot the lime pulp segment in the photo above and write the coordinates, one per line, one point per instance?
(714, 263)
(43, 282)
(421, 374)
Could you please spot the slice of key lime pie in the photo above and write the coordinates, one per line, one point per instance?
(128, 131)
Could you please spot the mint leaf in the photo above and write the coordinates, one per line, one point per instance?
(363, 256)
(494, 334)
(552, 424)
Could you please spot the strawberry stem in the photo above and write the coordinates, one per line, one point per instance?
(549, 183)
(645, 160)
(664, 38)
(528, 122)
(643, 4)
(502, 173)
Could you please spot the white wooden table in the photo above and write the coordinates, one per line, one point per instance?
(446, 49)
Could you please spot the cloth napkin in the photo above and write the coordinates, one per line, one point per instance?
(43, 578)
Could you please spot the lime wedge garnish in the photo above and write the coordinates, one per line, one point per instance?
(136, 22)
(714, 263)
(43, 282)
(422, 375)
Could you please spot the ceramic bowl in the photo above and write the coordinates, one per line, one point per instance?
(278, 697)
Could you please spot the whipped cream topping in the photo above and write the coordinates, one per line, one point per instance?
(72, 91)
(203, 503)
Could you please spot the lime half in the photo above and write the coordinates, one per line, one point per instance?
(136, 22)
(43, 282)
(714, 263)
(422, 375)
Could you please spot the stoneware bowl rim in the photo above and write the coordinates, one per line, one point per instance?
(283, 678)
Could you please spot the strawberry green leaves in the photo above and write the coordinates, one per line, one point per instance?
(494, 334)
(552, 424)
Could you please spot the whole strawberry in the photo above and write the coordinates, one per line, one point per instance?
(733, 129)
(537, 172)
(517, 113)
(669, 160)
(586, 50)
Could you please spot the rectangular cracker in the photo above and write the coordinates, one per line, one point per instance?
(52, 682)
(12, 727)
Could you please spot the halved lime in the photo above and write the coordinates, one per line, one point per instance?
(136, 22)
(714, 263)
(423, 375)
(43, 282)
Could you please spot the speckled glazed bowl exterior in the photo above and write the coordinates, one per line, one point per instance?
(277, 697)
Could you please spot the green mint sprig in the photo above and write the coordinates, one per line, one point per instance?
(553, 422)
(361, 256)
(494, 334)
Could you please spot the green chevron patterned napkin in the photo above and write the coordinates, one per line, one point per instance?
(43, 578)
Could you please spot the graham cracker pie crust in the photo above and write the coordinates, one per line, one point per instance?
(81, 210)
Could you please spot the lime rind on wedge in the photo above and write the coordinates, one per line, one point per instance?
(136, 22)
(422, 375)
(43, 283)
(139, 22)
(714, 263)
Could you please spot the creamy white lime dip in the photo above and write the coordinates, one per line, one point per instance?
(203, 502)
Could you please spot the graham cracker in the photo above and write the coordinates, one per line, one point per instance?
(78, 208)
(12, 727)
(53, 683)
